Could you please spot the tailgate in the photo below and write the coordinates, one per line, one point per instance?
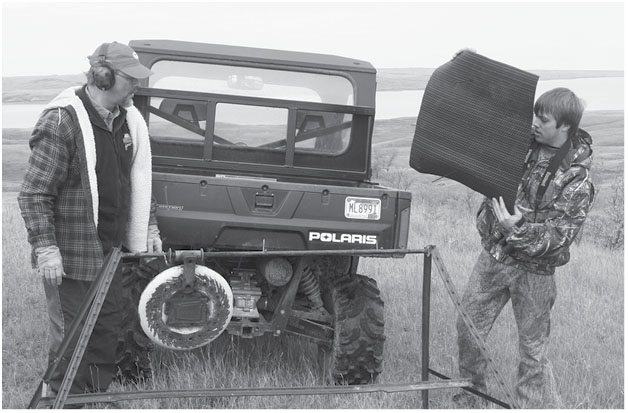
(251, 214)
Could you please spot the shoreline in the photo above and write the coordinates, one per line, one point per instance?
(595, 112)
(24, 90)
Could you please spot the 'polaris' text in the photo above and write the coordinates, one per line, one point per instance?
(346, 238)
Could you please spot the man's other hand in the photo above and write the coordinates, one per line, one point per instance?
(154, 244)
(50, 264)
(503, 215)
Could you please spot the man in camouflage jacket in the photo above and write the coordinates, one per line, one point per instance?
(521, 251)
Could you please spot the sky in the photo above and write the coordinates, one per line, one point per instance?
(43, 38)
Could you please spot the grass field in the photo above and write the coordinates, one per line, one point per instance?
(587, 343)
(586, 348)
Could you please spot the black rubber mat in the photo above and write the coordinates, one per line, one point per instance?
(474, 124)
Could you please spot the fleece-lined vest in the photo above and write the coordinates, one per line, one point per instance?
(113, 168)
(136, 234)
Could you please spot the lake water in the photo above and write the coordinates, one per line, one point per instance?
(599, 93)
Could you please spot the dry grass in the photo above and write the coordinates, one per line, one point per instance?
(586, 346)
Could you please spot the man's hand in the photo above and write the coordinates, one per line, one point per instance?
(459, 52)
(154, 241)
(503, 216)
(50, 264)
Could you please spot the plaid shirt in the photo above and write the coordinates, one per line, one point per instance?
(54, 198)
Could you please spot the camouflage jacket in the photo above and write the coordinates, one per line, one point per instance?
(540, 242)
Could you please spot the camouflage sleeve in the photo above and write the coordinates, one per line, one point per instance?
(556, 233)
(484, 218)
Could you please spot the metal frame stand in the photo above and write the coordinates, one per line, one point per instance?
(101, 286)
(432, 255)
(90, 309)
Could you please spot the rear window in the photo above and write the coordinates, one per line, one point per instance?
(252, 115)
(251, 81)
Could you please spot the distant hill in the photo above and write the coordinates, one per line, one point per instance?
(416, 78)
(37, 89)
(41, 89)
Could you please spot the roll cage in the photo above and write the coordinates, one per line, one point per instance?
(285, 118)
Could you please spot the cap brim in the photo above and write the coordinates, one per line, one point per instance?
(137, 71)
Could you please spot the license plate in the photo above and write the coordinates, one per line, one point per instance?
(363, 208)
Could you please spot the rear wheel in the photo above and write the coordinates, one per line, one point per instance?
(133, 351)
(356, 354)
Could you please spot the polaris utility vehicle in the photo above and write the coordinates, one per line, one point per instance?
(261, 173)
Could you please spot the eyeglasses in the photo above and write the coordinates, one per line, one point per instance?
(133, 80)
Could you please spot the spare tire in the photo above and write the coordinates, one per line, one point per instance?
(181, 317)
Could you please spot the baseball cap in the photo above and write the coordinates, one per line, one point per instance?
(121, 57)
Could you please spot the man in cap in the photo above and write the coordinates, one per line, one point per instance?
(86, 190)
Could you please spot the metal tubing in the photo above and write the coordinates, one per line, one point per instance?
(255, 391)
(297, 253)
(425, 325)
(180, 255)
(474, 391)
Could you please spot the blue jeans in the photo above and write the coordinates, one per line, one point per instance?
(490, 286)
(97, 368)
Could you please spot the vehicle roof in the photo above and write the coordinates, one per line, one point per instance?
(251, 54)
